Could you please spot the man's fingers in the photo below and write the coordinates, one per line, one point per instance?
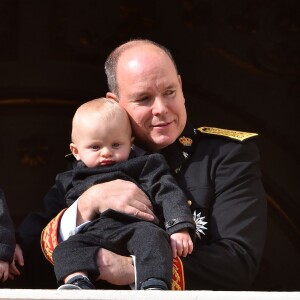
(146, 216)
(142, 211)
(114, 268)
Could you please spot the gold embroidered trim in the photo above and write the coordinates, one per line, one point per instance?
(178, 282)
(233, 134)
(49, 237)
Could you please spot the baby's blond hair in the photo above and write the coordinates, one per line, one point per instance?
(102, 108)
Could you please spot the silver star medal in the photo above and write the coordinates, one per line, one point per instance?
(200, 224)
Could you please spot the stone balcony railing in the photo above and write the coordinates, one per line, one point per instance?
(28, 294)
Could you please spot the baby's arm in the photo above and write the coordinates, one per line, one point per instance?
(181, 243)
(4, 267)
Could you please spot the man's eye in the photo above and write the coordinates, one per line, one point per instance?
(116, 145)
(143, 99)
(169, 92)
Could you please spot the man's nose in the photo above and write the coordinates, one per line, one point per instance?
(159, 106)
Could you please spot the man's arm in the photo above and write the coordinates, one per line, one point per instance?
(108, 262)
(120, 195)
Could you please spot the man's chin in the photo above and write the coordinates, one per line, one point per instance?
(162, 142)
(154, 143)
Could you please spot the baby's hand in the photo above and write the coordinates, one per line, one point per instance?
(18, 258)
(4, 267)
(181, 243)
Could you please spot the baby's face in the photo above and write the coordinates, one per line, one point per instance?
(105, 144)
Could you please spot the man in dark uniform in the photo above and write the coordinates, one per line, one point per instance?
(217, 169)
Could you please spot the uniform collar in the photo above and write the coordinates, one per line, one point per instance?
(179, 152)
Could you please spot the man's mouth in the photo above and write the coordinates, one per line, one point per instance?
(161, 124)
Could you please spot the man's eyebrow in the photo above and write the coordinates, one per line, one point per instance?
(171, 85)
(136, 95)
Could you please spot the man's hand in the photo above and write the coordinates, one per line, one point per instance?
(18, 258)
(114, 268)
(181, 243)
(120, 195)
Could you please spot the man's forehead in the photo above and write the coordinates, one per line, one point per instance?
(140, 52)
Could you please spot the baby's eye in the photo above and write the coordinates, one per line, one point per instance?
(116, 145)
(95, 147)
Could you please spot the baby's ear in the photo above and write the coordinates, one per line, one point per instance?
(74, 151)
(112, 96)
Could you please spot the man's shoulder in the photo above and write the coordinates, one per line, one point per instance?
(235, 135)
(218, 142)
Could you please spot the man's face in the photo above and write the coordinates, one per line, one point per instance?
(151, 92)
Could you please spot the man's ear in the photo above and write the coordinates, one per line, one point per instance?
(180, 82)
(179, 79)
(112, 96)
(74, 151)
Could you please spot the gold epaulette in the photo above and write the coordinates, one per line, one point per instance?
(232, 134)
